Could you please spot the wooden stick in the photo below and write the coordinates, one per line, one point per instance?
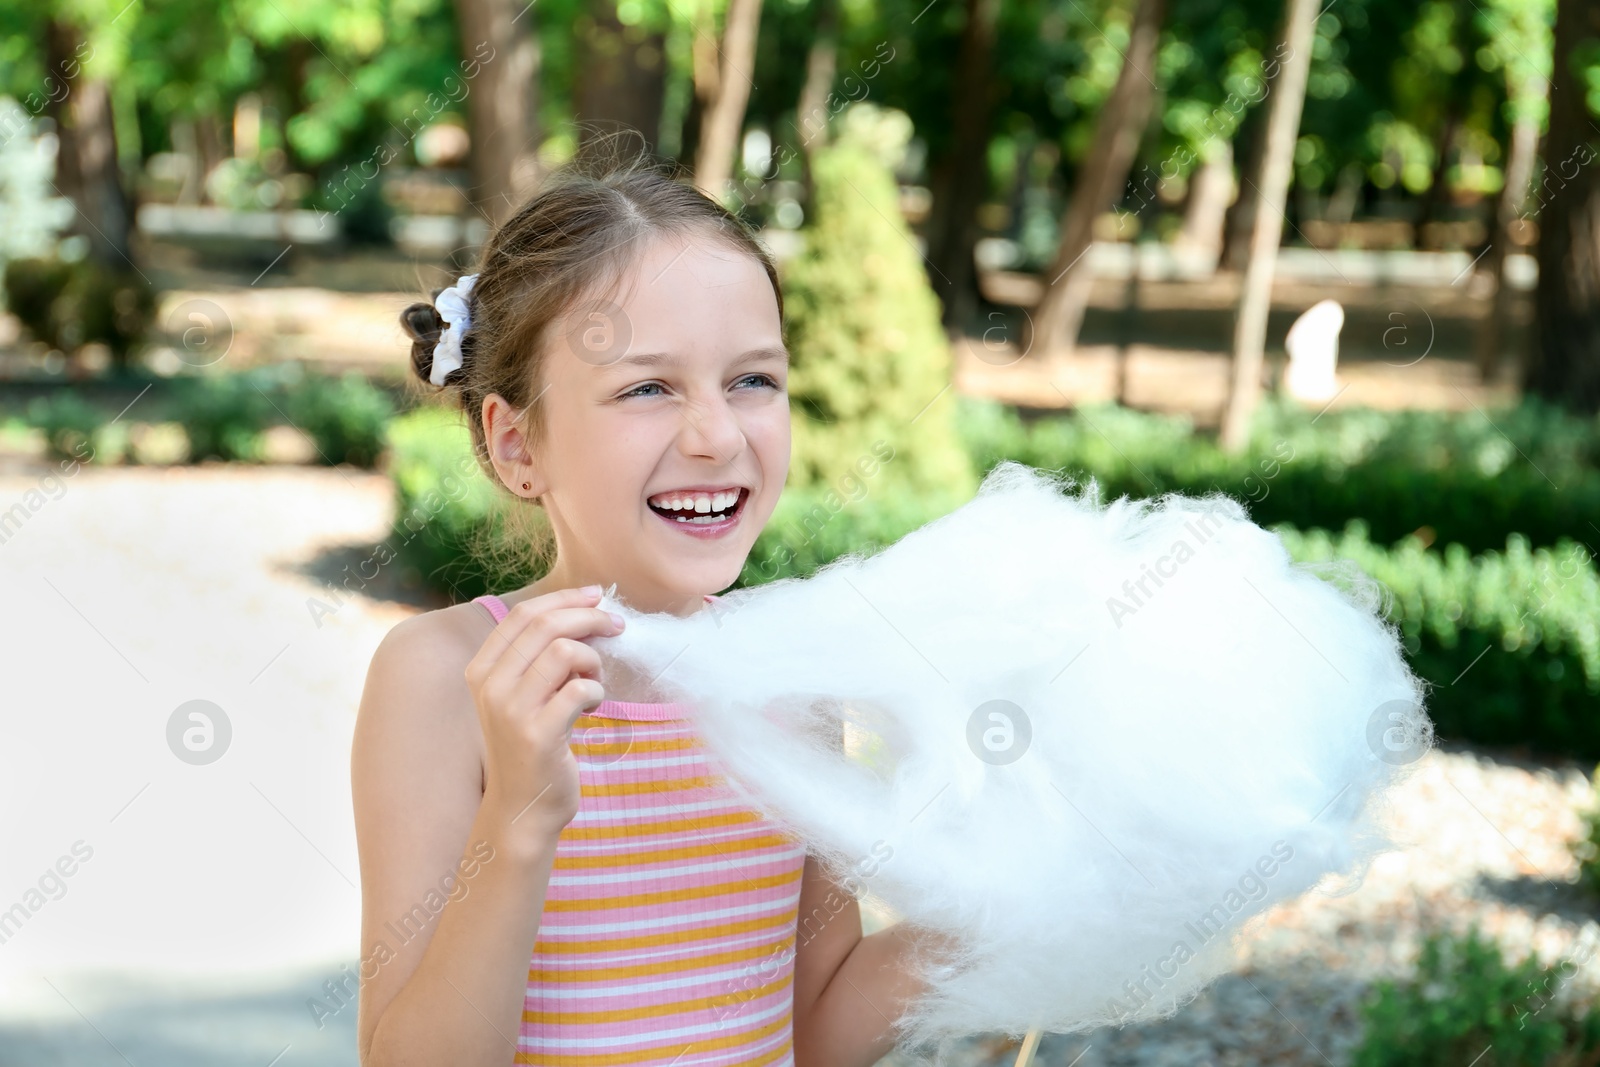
(1030, 1044)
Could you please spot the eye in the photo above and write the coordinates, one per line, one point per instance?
(635, 390)
(760, 378)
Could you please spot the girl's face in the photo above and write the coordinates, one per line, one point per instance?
(668, 401)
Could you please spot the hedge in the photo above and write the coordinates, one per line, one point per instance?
(1447, 476)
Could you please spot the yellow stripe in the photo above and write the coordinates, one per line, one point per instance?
(735, 846)
(608, 1059)
(623, 831)
(668, 966)
(617, 748)
(654, 785)
(662, 896)
(668, 937)
(646, 1011)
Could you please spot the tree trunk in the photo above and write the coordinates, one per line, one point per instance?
(1240, 222)
(723, 120)
(812, 116)
(960, 179)
(502, 56)
(1210, 192)
(1119, 130)
(1521, 156)
(621, 78)
(1282, 131)
(87, 169)
(1434, 196)
(1565, 363)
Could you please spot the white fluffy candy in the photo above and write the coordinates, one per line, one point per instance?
(1088, 741)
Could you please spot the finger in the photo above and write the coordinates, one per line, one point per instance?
(576, 697)
(522, 657)
(561, 661)
(517, 620)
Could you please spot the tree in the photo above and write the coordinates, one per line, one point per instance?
(620, 76)
(1521, 44)
(723, 102)
(87, 170)
(959, 180)
(1255, 303)
(1565, 363)
(502, 104)
(1118, 131)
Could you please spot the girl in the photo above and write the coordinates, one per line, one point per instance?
(619, 358)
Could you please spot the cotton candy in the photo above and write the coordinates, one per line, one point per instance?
(1086, 741)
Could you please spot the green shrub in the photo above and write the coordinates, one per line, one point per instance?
(346, 416)
(1510, 639)
(450, 524)
(1452, 473)
(67, 305)
(225, 414)
(1465, 1005)
(870, 362)
(69, 422)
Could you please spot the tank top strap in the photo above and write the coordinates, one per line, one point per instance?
(493, 605)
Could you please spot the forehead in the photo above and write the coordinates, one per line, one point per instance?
(694, 293)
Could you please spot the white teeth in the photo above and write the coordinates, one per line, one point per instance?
(702, 503)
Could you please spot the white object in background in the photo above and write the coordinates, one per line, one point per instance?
(1313, 345)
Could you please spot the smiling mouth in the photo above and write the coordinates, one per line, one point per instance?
(704, 518)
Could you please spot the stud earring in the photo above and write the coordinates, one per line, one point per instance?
(525, 485)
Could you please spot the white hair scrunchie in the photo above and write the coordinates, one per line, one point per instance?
(452, 307)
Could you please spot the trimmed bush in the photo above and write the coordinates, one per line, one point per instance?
(1466, 1005)
(870, 363)
(1403, 472)
(1510, 639)
(225, 414)
(346, 416)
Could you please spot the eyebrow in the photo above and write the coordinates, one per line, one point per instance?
(656, 359)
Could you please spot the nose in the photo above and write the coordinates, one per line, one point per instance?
(711, 430)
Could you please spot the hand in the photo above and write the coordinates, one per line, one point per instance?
(530, 681)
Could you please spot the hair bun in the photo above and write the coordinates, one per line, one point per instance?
(423, 325)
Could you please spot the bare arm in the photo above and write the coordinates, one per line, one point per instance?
(454, 863)
(848, 989)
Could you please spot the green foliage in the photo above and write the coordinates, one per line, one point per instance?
(871, 365)
(66, 305)
(1510, 640)
(1532, 470)
(450, 528)
(1465, 1004)
(69, 422)
(1586, 850)
(224, 414)
(347, 416)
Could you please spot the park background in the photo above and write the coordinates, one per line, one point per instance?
(1074, 233)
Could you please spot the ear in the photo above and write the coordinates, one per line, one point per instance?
(505, 437)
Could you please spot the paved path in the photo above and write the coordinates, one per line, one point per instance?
(128, 593)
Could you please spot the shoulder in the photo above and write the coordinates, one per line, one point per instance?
(416, 690)
(431, 645)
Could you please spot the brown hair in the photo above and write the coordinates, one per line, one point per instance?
(581, 230)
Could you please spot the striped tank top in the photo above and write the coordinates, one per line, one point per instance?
(668, 932)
